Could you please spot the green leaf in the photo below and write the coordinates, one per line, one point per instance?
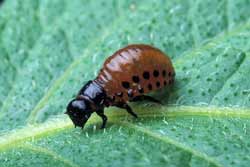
(49, 49)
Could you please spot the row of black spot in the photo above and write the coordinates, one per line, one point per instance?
(146, 75)
(156, 73)
(158, 84)
(141, 90)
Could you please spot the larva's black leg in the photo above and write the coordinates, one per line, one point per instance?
(145, 97)
(104, 118)
(127, 107)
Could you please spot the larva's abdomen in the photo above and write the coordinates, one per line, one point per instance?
(135, 70)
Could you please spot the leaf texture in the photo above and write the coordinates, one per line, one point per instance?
(49, 49)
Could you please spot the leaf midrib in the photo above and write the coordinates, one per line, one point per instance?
(57, 125)
(189, 111)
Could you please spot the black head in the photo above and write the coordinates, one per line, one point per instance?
(79, 111)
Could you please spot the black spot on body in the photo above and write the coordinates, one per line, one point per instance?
(163, 73)
(158, 84)
(171, 81)
(125, 84)
(141, 90)
(136, 79)
(150, 87)
(156, 73)
(169, 74)
(146, 75)
(165, 83)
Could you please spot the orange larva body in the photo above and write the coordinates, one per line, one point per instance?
(135, 70)
(126, 76)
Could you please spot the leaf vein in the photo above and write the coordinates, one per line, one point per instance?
(50, 153)
(14, 82)
(170, 141)
(229, 77)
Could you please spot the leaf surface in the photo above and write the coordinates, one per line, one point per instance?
(49, 49)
